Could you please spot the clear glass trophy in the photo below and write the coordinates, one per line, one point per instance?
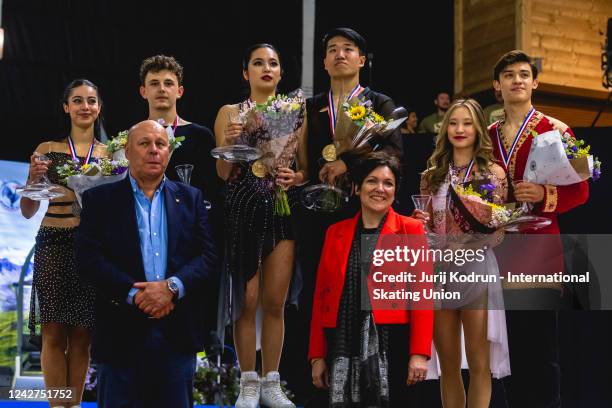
(41, 189)
(239, 152)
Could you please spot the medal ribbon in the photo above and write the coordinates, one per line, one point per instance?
(506, 157)
(468, 171)
(73, 150)
(174, 124)
(330, 105)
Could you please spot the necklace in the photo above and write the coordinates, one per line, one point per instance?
(455, 172)
(458, 168)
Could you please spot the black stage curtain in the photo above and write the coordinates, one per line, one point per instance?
(48, 43)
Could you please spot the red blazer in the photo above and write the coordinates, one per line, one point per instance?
(330, 282)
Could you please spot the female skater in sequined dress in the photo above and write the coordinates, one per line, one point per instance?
(61, 304)
(259, 247)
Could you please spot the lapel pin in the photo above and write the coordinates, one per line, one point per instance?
(177, 200)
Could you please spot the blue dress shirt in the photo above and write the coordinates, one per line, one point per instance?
(153, 233)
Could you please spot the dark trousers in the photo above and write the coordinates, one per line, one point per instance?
(154, 376)
(534, 357)
(294, 365)
(401, 395)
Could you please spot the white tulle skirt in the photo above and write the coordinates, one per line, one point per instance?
(496, 323)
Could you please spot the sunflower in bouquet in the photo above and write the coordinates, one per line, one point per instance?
(356, 125)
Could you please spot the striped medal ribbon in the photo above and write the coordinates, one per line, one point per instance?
(74, 154)
(332, 111)
(506, 156)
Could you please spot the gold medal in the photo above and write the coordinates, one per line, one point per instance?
(329, 153)
(258, 168)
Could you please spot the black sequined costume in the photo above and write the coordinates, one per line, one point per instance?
(58, 296)
(252, 229)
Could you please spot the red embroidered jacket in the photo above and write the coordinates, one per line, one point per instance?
(547, 250)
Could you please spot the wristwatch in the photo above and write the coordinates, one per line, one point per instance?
(172, 287)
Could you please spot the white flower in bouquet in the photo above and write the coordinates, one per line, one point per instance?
(118, 142)
(83, 177)
(272, 127)
(560, 160)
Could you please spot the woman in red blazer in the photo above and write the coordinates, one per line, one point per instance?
(349, 346)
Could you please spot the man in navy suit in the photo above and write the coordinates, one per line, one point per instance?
(146, 245)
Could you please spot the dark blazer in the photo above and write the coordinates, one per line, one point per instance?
(109, 258)
(319, 132)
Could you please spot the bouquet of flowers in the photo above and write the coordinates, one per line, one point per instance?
(81, 177)
(357, 124)
(579, 157)
(560, 160)
(116, 146)
(219, 384)
(477, 209)
(90, 392)
(215, 383)
(273, 128)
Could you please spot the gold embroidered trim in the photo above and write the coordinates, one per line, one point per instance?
(550, 203)
(535, 119)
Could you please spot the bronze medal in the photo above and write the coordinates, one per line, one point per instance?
(329, 153)
(258, 168)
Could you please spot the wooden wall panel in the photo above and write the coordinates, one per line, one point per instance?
(566, 34)
(574, 113)
(487, 30)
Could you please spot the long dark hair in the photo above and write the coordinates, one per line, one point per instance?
(66, 124)
(250, 50)
(246, 57)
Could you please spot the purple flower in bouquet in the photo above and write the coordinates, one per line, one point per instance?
(596, 169)
(91, 379)
(596, 174)
(118, 170)
(273, 128)
(487, 191)
(277, 105)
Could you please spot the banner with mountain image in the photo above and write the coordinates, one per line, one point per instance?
(16, 240)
